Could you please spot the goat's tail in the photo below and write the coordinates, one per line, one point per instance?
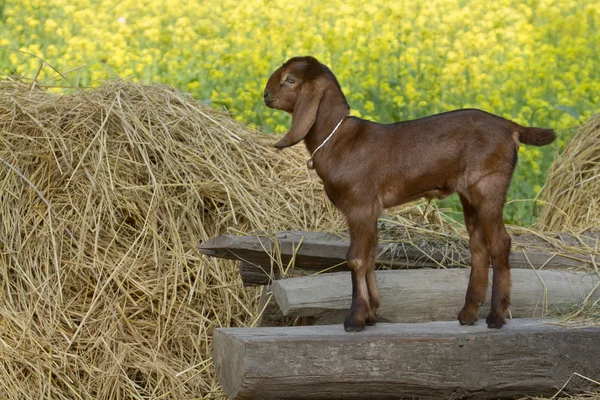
(536, 136)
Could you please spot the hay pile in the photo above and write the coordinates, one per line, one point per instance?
(571, 196)
(104, 195)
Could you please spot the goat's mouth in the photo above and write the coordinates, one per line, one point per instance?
(270, 102)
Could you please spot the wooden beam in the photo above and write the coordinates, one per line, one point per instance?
(427, 360)
(430, 295)
(310, 252)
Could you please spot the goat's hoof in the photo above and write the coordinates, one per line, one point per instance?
(467, 316)
(495, 321)
(371, 319)
(354, 324)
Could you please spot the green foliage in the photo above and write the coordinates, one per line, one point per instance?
(534, 62)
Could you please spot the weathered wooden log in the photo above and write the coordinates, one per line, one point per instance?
(315, 251)
(430, 295)
(427, 360)
(256, 275)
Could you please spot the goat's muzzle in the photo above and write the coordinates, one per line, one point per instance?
(270, 102)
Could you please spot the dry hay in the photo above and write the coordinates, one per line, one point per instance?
(104, 195)
(571, 196)
(559, 395)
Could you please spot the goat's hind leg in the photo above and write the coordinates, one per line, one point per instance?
(361, 258)
(499, 243)
(480, 262)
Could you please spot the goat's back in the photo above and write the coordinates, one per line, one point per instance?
(426, 157)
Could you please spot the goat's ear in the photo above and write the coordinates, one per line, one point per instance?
(303, 116)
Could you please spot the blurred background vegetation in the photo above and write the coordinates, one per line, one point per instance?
(533, 61)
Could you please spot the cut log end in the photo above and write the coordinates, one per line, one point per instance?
(228, 356)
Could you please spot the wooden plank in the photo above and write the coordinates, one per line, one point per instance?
(554, 240)
(430, 295)
(428, 360)
(314, 251)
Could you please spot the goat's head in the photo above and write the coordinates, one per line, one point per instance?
(297, 87)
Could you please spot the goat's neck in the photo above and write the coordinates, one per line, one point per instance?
(332, 109)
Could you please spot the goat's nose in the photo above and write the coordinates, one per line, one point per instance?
(265, 94)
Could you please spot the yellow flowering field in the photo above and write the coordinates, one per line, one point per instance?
(533, 61)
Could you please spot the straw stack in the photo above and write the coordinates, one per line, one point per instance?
(570, 197)
(104, 195)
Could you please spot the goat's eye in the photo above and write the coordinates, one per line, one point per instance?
(290, 80)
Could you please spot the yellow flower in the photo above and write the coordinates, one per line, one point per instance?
(14, 59)
(50, 25)
(192, 86)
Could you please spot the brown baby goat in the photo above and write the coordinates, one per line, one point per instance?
(367, 167)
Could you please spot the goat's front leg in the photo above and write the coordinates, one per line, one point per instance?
(361, 261)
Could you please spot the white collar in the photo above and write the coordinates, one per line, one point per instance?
(309, 163)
